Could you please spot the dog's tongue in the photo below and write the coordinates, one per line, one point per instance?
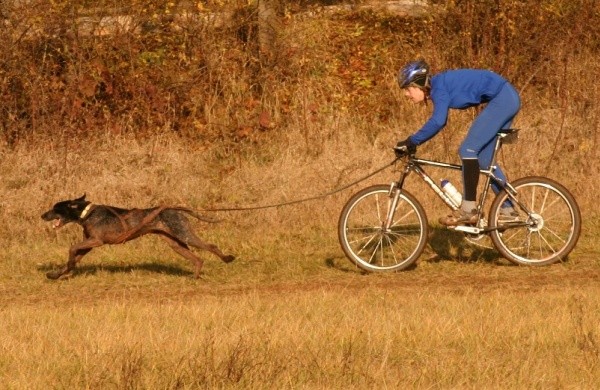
(56, 224)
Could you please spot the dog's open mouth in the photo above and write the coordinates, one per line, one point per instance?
(57, 223)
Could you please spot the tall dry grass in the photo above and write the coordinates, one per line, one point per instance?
(323, 338)
(290, 312)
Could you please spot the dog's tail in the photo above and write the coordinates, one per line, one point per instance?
(195, 214)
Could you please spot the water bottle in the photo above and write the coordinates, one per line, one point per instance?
(452, 192)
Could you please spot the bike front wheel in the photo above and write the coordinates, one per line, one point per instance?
(366, 240)
(545, 235)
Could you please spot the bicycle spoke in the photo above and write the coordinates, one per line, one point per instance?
(378, 208)
(367, 243)
(540, 244)
(363, 229)
(553, 233)
(403, 218)
(532, 201)
(550, 205)
(548, 244)
(404, 232)
(392, 249)
(374, 252)
(509, 238)
(544, 199)
(528, 245)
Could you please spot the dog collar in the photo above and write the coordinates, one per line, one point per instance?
(85, 211)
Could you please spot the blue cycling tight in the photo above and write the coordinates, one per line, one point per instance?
(479, 142)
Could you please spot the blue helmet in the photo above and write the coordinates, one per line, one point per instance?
(415, 72)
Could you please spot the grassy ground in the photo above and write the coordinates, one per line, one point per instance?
(291, 311)
(299, 316)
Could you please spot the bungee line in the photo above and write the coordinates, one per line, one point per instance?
(303, 199)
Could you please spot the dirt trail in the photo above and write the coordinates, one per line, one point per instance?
(464, 278)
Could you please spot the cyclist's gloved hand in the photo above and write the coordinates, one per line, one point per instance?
(405, 147)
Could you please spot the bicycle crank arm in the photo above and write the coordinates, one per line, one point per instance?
(476, 230)
(468, 229)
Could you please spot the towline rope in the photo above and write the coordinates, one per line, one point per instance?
(304, 199)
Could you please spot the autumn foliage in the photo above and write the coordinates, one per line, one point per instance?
(80, 68)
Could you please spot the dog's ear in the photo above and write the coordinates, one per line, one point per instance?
(81, 199)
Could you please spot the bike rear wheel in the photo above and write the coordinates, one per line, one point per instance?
(364, 238)
(551, 230)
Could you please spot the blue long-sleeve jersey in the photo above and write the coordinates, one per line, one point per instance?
(457, 89)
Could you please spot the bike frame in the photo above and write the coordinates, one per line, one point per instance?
(416, 165)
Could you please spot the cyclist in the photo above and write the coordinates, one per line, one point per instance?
(460, 89)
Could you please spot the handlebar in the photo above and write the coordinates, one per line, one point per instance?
(403, 151)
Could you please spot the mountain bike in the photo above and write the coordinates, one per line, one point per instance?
(384, 228)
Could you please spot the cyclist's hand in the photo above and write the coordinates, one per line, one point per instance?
(405, 147)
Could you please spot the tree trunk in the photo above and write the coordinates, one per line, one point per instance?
(269, 27)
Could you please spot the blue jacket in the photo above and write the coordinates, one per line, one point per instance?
(458, 89)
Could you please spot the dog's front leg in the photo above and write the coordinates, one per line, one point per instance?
(76, 252)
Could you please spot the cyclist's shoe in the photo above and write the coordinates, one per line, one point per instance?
(508, 214)
(460, 217)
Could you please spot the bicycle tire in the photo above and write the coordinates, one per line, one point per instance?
(553, 227)
(362, 236)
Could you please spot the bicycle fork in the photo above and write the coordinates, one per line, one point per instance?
(394, 195)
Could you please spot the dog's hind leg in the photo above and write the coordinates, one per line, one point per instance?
(184, 251)
(196, 242)
(177, 228)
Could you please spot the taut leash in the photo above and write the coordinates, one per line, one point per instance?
(304, 199)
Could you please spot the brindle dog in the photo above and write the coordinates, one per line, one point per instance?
(112, 225)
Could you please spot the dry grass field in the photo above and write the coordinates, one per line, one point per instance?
(194, 115)
(291, 311)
